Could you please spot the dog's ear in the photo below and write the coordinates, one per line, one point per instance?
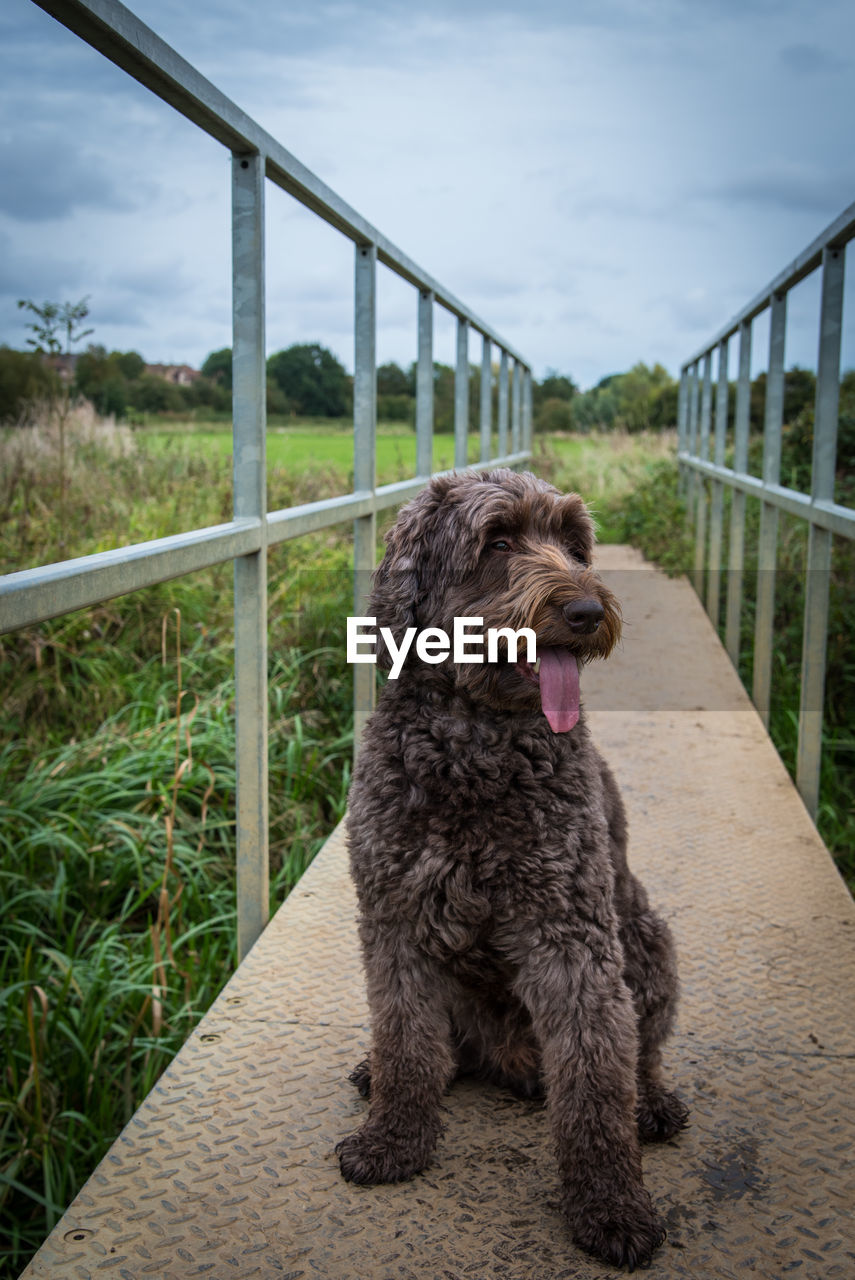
(577, 527)
(407, 580)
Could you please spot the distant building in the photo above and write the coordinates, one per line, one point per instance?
(180, 375)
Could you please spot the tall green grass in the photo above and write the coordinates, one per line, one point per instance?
(117, 780)
(117, 896)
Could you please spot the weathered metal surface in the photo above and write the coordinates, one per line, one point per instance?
(228, 1168)
(736, 562)
(33, 595)
(503, 405)
(767, 538)
(364, 460)
(486, 418)
(424, 385)
(461, 396)
(249, 408)
(818, 575)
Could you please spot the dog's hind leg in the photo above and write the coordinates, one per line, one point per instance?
(410, 1064)
(650, 972)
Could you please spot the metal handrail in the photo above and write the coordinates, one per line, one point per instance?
(34, 595)
(824, 516)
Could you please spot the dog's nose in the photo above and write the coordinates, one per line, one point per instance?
(583, 616)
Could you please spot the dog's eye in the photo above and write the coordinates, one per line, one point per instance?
(578, 552)
(500, 544)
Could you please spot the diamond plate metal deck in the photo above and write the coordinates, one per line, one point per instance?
(228, 1167)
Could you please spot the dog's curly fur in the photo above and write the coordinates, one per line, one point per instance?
(502, 930)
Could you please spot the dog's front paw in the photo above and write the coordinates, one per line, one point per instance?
(370, 1156)
(622, 1234)
(660, 1115)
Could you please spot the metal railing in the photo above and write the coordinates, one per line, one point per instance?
(34, 595)
(824, 516)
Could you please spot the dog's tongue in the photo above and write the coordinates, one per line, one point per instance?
(559, 688)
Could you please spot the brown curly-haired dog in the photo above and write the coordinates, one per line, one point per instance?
(502, 930)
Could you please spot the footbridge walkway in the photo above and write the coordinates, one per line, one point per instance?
(228, 1168)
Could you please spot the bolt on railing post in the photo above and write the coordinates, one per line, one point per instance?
(424, 386)
(736, 559)
(461, 396)
(364, 464)
(815, 633)
(717, 499)
(250, 571)
(503, 404)
(486, 399)
(767, 545)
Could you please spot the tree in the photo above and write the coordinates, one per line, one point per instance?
(555, 386)
(218, 367)
(130, 364)
(315, 384)
(24, 377)
(393, 381)
(642, 399)
(52, 320)
(554, 414)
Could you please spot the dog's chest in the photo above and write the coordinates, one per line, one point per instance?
(464, 870)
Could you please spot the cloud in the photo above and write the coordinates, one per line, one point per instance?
(47, 178)
(787, 189)
(810, 59)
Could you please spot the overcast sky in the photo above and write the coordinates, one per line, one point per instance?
(603, 182)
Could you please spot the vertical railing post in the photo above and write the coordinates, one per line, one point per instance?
(815, 633)
(717, 499)
(424, 386)
(701, 491)
(364, 465)
(694, 408)
(736, 558)
(528, 411)
(461, 395)
(503, 404)
(250, 572)
(682, 426)
(767, 545)
(516, 409)
(486, 399)
(692, 441)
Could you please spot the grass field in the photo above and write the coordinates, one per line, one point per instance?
(601, 467)
(311, 446)
(116, 761)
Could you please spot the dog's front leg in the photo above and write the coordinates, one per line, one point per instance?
(411, 1061)
(584, 1019)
